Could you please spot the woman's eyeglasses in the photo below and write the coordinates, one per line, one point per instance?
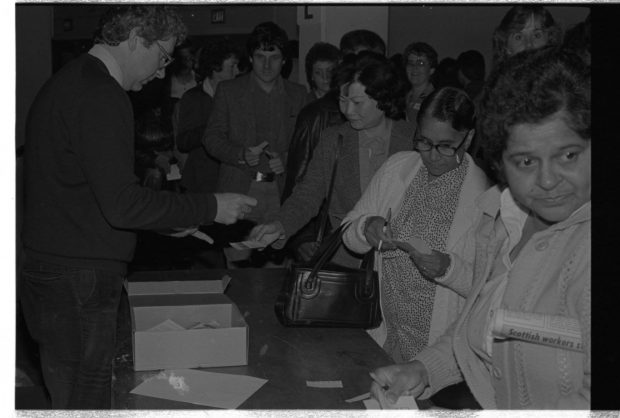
(423, 145)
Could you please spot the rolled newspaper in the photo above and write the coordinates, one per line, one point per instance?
(552, 330)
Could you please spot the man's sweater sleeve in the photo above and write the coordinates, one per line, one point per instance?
(105, 150)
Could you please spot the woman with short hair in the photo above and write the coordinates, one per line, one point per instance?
(532, 240)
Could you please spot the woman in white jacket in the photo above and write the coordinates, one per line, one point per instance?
(430, 194)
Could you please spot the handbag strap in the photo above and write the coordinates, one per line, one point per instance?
(325, 215)
(326, 252)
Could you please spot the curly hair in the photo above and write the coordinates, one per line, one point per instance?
(530, 87)
(421, 48)
(212, 57)
(384, 82)
(267, 35)
(320, 51)
(152, 23)
(515, 20)
(449, 104)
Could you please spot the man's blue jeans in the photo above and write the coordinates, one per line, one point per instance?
(71, 313)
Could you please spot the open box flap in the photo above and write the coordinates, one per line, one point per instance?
(168, 283)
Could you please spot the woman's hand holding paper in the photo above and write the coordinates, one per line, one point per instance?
(394, 381)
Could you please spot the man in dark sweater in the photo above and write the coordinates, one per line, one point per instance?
(82, 201)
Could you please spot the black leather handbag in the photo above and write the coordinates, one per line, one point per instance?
(321, 294)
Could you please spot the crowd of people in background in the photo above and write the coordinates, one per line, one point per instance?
(486, 163)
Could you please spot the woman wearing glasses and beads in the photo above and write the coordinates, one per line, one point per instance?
(430, 195)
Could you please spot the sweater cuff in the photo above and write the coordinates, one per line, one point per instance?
(441, 372)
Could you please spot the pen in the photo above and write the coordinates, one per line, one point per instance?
(386, 225)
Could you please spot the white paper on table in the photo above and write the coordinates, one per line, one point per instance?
(218, 390)
(245, 245)
(324, 383)
(404, 402)
(167, 325)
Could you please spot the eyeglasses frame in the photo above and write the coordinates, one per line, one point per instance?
(436, 146)
(168, 59)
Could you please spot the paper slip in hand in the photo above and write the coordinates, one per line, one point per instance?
(324, 384)
(414, 243)
(167, 325)
(404, 402)
(245, 245)
(201, 235)
(259, 148)
(174, 174)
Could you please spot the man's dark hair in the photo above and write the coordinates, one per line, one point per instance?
(365, 39)
(530, 87)
(383, 81)
(153, 23)
(212, 57)
(267, 36)
(471, 64)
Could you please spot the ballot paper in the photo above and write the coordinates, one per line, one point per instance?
(404, 402)
(167, 325)
(174, 174)
(245, 245)
(324, 383)
(259, 148)
(197, 387)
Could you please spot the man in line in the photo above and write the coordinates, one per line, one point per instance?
(250, 127)
(83, 201)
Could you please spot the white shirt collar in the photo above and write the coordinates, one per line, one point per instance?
(208, 88)
(100, 52)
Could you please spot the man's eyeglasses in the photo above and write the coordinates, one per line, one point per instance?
(443, 149)
(166, 59)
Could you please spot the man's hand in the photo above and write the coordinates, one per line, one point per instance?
(267, 234)
(232, 206)
(251, 158)
(392, 382)
(376, 232)
(275, 163)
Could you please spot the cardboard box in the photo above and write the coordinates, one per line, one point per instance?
(186, 298)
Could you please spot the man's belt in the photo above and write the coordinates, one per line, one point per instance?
(264, 177)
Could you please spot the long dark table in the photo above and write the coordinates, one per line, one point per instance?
(292, 357)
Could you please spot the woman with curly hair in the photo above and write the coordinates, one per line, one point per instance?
(372, 99)
(532, 243)
(524, 27)
(321, 60)
(430, 194)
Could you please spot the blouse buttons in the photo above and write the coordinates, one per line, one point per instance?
(542, 245)
(497, 373)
